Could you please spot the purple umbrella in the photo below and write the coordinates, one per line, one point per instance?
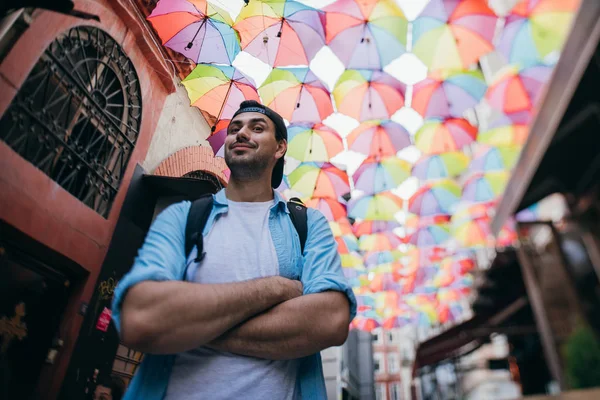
(199, 30)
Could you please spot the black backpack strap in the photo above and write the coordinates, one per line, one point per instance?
(299, 219)
(196, 221)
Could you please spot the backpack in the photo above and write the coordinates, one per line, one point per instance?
(201, 208)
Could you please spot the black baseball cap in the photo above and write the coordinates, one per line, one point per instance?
(280, 133)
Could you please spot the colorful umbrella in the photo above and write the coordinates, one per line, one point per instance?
(377, 174)
(495, 159)
(382, 257)
(364, 94)
(435, 198)
(329, 207)
(457, 265)
(534, 29)
(451, 134)
(473, 233)
(414, 222)
(382, 138)
(364, 324)
(217, 139)
(366, 34)
(377, 207)
(453, 34)
(218, 90)
(368, 227)
(352, 260)
(382, 241)
(297, 94)
(197, 29)
(313, 142)
(508, 236)
(319, 180)
(482, 187)
(432, 235)
(467, 211)
(448, 95)
(507, 135)
(515, 91)
(398, 321)
(281, 32)
(347, 244)
(341, 226)
(440, 166)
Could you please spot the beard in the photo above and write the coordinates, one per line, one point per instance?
(246, 168)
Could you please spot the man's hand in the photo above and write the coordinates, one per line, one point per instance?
(295, 288)
(293, 329)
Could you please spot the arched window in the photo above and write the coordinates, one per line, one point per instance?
(77, 116)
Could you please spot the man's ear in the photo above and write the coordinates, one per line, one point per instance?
(281, 149)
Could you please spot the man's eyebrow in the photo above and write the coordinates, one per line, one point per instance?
(259, 119)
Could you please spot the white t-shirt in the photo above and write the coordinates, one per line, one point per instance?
(238, 247)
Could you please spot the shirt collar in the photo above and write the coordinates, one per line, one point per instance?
(221, 200)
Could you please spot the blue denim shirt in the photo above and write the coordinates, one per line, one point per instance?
(162, 258)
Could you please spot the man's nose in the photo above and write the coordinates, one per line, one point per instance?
(243, 134)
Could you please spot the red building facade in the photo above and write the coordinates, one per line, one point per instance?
(56, 226)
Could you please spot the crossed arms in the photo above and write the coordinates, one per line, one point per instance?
(266, 318)
(271, 318)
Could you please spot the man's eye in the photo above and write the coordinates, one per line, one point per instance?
(258, 129)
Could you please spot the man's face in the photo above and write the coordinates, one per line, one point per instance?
(251, 146)
(102, 393)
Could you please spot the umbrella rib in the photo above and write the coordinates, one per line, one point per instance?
(191, 43)
(223, 105)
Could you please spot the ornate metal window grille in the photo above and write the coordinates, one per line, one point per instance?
(205, 176)
(77, 116)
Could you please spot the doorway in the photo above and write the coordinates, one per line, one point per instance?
(33, 297)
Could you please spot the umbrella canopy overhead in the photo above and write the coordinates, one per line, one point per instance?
(516, 91)
(382, 241)
(435, 198)
(452, 134)
(197, 29)
(330, 208)
(297, 94)
(377, 207)
(453, 34)
(432, 235)
(366, 34)
(440, 166)
(535, 29)
(369, 227)
(379, 138)
(322, 180)
(448, 95)
(377, 174)
(218, 90)
(281, 32)
(485, 187)
(313, 142)
(217, 139)
(495, 159)
(505, 135)
(365, 95)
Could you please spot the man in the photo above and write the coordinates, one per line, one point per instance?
(247, 321)
(109, 388)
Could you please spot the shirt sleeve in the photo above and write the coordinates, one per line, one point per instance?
(161, 257)
(322, 269)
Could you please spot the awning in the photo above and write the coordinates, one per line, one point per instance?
(562, 152)
(469, 335)
(466, 337)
